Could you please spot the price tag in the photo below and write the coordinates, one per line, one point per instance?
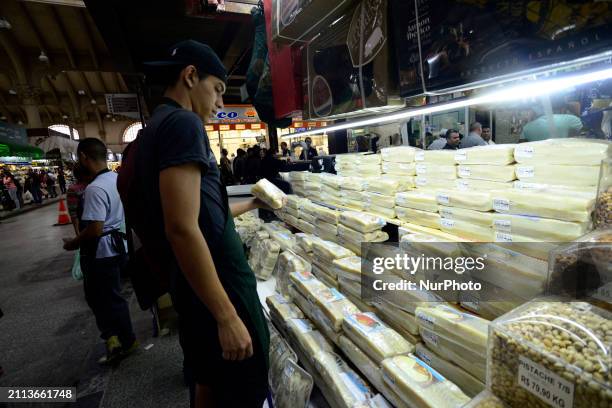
(446, 213)
(501, 204)
(503, 225)
(525, 171)
(461, 156)
(421, 181)
(419, 156)
(462, 184)
(421, 168)
(429, 337)
(446, 223)
(503, 237)
(524, 152)
(443, 199)
(464, 171)
(545, 384)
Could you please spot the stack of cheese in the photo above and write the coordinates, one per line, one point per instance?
(298, 182)
(313, 186)
(348, 272)
(325, 222)
(282, 309)
(485, 168)
(330, 188)
(324, 253)
(263, 257)
(306, 216)
(418, 207)
(247, 225)
(455, 336)
(435, 168)
(352, 192)
(356, 227)
(287, 263)
(291, 211)
(358, 165)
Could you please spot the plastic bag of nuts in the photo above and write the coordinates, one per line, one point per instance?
(551, 353)
(602, 217)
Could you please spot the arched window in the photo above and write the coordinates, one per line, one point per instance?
(65, 129)
(131, 132)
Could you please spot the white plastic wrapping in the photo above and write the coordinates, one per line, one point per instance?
(399, 169)
(573, 151)
(554, 188)
(354, 205)
(354, 183)
(389, 184)
(294, 201)
(298, 175)
(487, 172)
(472, 200)
(398, 154)
(446, 157)
(381, 211)
(433, 182)
(482, 185)
(305, 227)
(361, 222)
(352, 195)
(568, 208)
(349, 267)
(294, 388)
(269, 193)
(323, 228)
(424, 218)
(283, 308)
(545, 229)
(310, 340)
(380, 200)
(397, 317)
(498, 155)
(439, 171)
(351, 234)
(467, 230)
(558, 174)
(420, 199)
(410, 228)
(480, 218)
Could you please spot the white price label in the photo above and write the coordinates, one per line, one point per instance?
(465, 172)
(545, 384)
(524, 151)
(461, 156)
(421, 168)
(501, 204)
(503, 225)
(419, 156)
(503, 237)
(443, 199)
(445, 222)
(421, 181)
(430, 337)
(525, 171)
(463, 184)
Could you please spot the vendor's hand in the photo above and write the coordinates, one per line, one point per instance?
(70, 244)
(235, 339)
(257, 203)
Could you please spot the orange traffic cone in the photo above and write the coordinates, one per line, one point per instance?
(63, 218)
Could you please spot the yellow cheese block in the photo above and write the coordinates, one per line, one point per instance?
(481, 185)
(408, 228)
(326, 214)
(472, 200)
(294, 201)
(485, 400)
(470, 231)
(351, 234)
(499, 155)
(298, 175)
(397, 317)
(350, 245)
(422, 385)
(354, 205)
(558, 174)
(439, 171)
(323, 228)
(349, 267)
(358, 158)
(305, 227)
(386, 212)
(481, 218)
(381, 200)
(305, 241)
(424, 218)
(389, 184)
(398, 154)
(354, 183)
(590, 191)
(487, 172)
(329, 250)
(399, 169)
(315, 315)
(436, 156)
(419, 199)
(374, 337)
(311, 341)
(568, 207)
(327, 279)
(573, 151)
(283, 307)
(433, 182)
(285, 240)
(361, 222)
(545, 229)
(271, 228)
(469, 384)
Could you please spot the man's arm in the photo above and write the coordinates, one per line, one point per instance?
(91, 232)
(181, 208)
(243, 206)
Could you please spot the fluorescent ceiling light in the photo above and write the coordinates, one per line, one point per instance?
(513, 93)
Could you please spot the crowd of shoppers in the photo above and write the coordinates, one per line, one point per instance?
(38, 185)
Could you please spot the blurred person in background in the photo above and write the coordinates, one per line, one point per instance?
(453, 139)
(10, 185)
(239, 165)
(487, 135)
(473, 138)
(226, 168)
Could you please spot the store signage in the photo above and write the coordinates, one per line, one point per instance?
(123, 104)
(13, 134)
(234, 126)
(236, 114)
(15, 160)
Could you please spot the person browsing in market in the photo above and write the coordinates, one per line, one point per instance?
(308, 151)
(285, 152)
(183, 208)
(487, 135)
(103, 251)
(453, 139)
(440, 142)
(473, 138)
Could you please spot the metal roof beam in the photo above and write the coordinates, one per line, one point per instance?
(64, 37)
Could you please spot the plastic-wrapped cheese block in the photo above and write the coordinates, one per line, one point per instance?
(464, 328)
(349, 267)
(325, 278)
(305, 227)
(268, 256)
(348, 388)
(325, 228)
(350, 233)
(294, 201)
(380, 200)
(425, 218)
(467, 230)
(584, 152)
(310, 340)
(354, 204)
(568, 208)
(398, 154)
(268, 193)
(400, 169)
(368, 368)
(292, 211)
(487, 172)
(498, 155)
(481, 218)
(558, 174)
(469, 384)
(389, 185)
(436, 156)
(298, 175)
(358, 158)
(397, 317)
(555, 188)
(306, 283)
(305, 241)
(335, 306)
(485, 185)
(381, 211)
(410, 228)
(271, 228)
(420, 199)
(354, 183)
(417, 382)
(332, 180)
(374, 337)
(307, 217)
(285, 240)
(440, 171)
(312, 186)
(290, 219)
(432, 182)
(295, 387)
(472, 362)
(472, 200)
(283, 307)
(539, 228)
(361, 222)
(353, 195)
(329, 250)
(485, 400)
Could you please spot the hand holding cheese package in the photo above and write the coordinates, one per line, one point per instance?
(480, 218)
(472, 200)
(570, 207)
(420, 199)
(579, 176)
(498, 155)
(269, 194)
(570, 151)
(500, 174)
(283, 308)
(424, 218)
(306, 227)
(398, 154)
(374, 337)
(436, 170)
(445, 157)
(463, 328)
(361, 222)
(415, 381)
(348, 388)
(469, 384)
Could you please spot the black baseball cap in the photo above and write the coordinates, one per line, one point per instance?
(191, 52)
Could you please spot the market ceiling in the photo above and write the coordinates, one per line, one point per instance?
(62, 56)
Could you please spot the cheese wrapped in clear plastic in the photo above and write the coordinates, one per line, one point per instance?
(269, 194)
(326, 214)
(545, 229)
(389, 184)
(374, 337)
(267, 258)
(348, 388)
(323, 228)
(397, 317)
(558, 174)
(361, 222)
(569, 207)
(554, 188)
(571, 151)
(354, 205)
(298, 175)
(417, 382)
(332, 180)
(410, 228)
(307, 217)
(380, 200)
(352, 195)
(305, 226)
(287, 263)
(464, 328)
(420, 199)
(358, 158)
(354, 183)
(439, 171)
(271, 228)
(469, 384)
(481, 185)
(472, 200)
(349, 267)
(399, 169)
(502, 174)
(329, 250)
(497, 155)
(381, 211)
(310, 340)
(467, 230)
(285, 240)
(425, 218)
(349, 233)
(305, 241)
(295, 387)
(481, 218)
(290, 219)
(325, 278)
(294, 201)
(433, 182)
(436, 156)
(284, 308)
(398, 154)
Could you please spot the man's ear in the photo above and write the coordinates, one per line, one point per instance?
(190, 74)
